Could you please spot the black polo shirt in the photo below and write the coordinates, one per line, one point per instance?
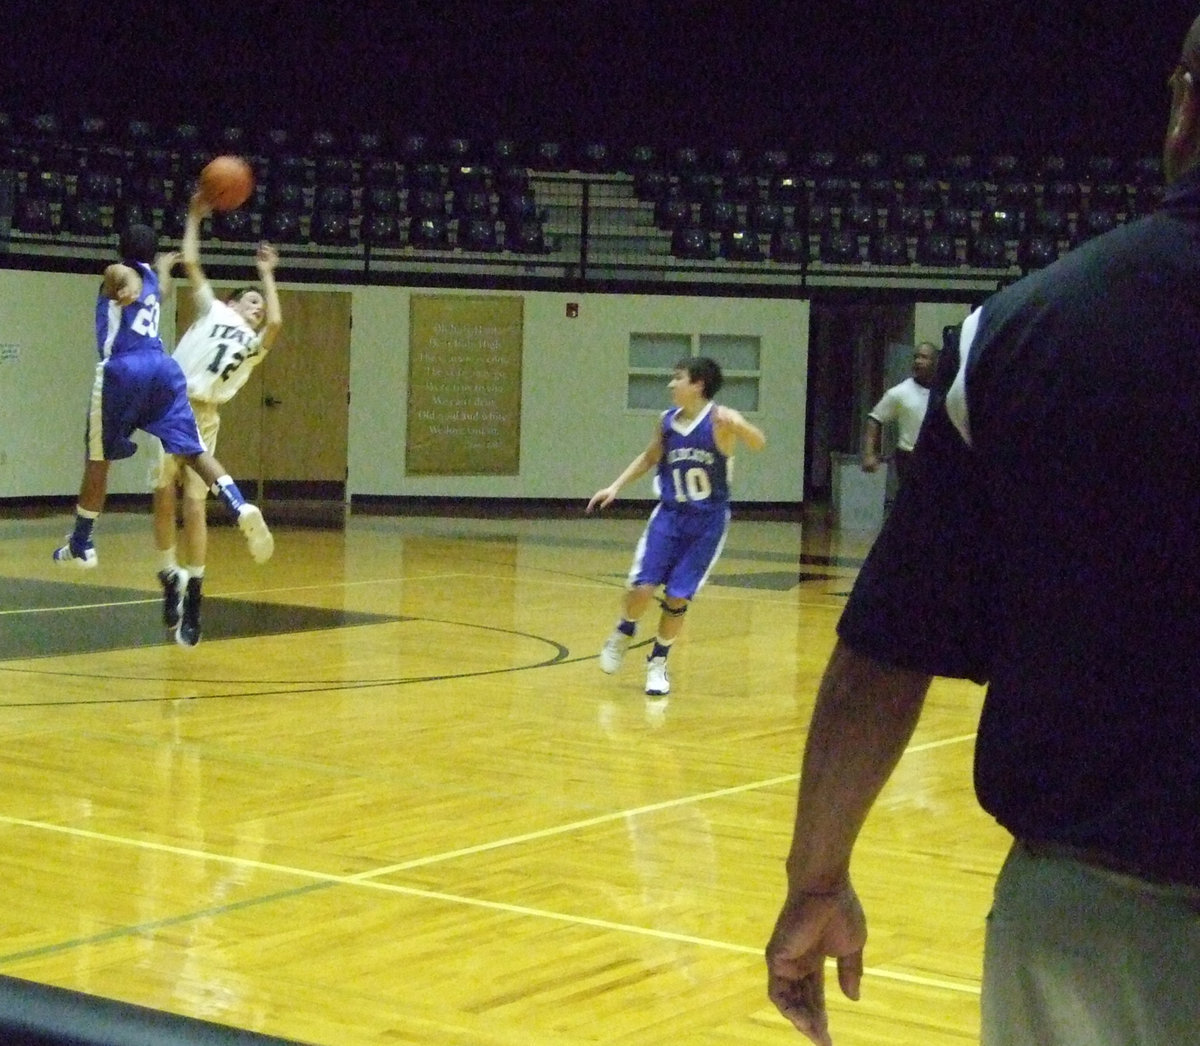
(1057, 554)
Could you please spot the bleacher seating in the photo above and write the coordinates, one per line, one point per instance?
(325, 190)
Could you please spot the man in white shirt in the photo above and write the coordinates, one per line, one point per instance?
(904, 405)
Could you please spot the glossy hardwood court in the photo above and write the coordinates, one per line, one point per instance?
(391, 798)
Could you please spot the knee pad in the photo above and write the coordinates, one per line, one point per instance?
(671, 611)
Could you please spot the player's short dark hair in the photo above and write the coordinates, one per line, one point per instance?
(702, 369)
(241, 292)
(138, 243)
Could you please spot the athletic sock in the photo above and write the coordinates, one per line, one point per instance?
(662, 647)
(81, 535)
(626, 627)
(228, 492)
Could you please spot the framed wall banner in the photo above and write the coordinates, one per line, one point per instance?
(464, 385)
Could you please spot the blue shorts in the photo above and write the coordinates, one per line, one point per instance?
(140, 390)
(678, 550)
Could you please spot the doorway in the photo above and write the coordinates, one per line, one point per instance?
(284, 435)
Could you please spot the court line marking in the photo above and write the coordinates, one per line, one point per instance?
(369, 879)
(250, 594)
(329, 880)
(247, 594)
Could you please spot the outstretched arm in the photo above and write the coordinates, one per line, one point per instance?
(266, 259)
(865, 714)
(637, 468)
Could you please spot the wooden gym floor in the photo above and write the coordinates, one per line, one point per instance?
(392, 799)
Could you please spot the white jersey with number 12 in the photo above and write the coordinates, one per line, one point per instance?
(218, 351)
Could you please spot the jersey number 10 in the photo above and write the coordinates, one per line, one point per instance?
(691, 484)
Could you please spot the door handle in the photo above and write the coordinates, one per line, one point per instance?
(271, 401)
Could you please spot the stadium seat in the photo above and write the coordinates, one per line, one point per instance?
(526, 236)
(35, 214)
(478, 234)
(765, 216)
(332, 228)
(839, 247)
(937, 249)
(1036, 251)
(471, 203)
(236, 225)
(789, 246)
(282, 226)
(719, 215)
(428, 232)
(889, 248)
(692, 242)
(740, 243)
(380, 229)
(84, 217)
(987, 251)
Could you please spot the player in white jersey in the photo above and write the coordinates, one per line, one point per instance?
(225, 342)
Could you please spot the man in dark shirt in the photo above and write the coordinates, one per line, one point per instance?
(1049, 543)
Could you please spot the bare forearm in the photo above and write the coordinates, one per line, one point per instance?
(637, 468)
(274, 311)
(189, 246)
(865, 714)
(871, 439)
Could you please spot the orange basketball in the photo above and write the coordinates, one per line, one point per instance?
(226, 182)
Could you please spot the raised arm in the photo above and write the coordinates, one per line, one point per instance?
(122, 283)
(164, 263)
(266, 259)
(637, 468)
(865, 714)
(198, 210)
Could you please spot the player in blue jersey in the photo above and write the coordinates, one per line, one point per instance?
(138, 386)
(691, 450)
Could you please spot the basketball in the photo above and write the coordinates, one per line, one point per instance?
(226, 182)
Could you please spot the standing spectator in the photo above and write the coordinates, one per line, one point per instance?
(1048, 542)
(904, 405)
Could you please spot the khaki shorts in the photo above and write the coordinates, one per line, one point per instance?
(1077, 955)
(169, 467)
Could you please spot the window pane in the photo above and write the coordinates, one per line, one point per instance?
(658, 350)
(740, 393)
(649, 391)
(731, 351)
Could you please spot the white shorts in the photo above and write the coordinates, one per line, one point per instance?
(208, 420)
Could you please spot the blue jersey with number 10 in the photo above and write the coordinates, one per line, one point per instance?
(692, 473)
(131, 328)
